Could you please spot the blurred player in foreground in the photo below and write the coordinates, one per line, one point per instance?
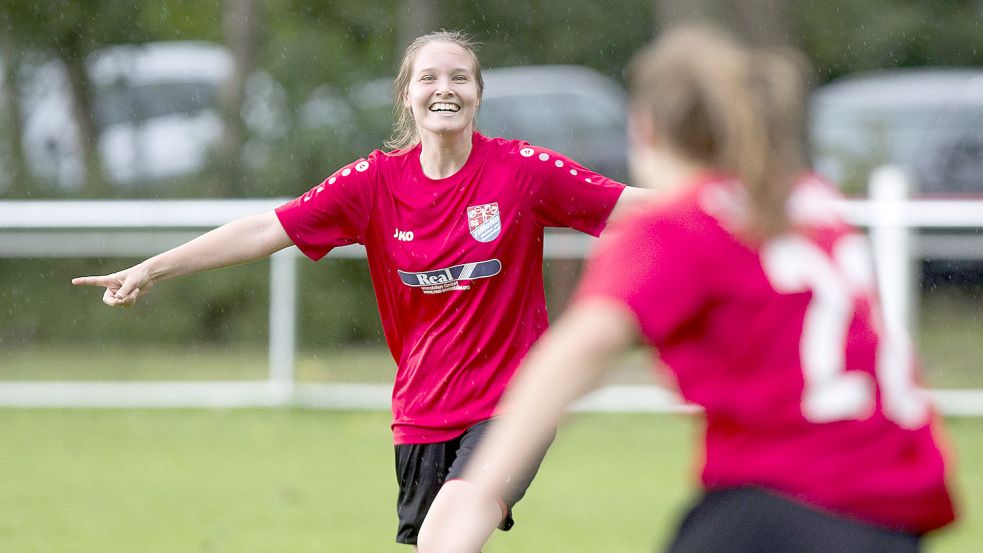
(761, 303)
(452, 222)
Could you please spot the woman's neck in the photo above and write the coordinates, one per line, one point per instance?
(662, 171)
(443, 155)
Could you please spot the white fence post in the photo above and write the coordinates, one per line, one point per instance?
(283, 317)
(891, 239)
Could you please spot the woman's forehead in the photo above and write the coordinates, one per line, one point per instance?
(443, 54)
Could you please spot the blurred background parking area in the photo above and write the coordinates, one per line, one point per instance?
(155, 109)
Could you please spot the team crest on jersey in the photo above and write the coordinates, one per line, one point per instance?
(484, 222)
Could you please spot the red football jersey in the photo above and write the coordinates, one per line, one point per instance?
(783, 346)
(456, 264)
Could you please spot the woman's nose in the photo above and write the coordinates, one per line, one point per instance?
(444, 87)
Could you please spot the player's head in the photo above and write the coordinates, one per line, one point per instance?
(405, 125)
(708, 99)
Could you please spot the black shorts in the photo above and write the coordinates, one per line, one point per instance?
(752, 520)
(421, 469)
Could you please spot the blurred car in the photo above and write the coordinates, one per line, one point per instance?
(571, 109)
(928, 121)
(155, 109)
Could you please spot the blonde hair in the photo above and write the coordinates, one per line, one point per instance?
(739, 111)
(405, 134)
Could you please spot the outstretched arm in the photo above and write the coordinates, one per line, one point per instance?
(566, 363)
(246, 239)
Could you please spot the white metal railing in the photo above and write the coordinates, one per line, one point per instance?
(124, 228)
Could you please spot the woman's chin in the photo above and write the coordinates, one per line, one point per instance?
(445, 130)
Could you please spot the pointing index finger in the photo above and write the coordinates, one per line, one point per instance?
(92, 281)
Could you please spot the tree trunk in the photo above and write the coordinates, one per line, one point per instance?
(241, 24)
(81, 91)
(758, 22)
(14, 128)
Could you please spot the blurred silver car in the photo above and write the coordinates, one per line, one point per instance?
(155, 108)
(571, 109)
(929, 121)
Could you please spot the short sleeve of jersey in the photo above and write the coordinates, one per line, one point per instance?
(566, 194)
(650, 266)
(333, 213)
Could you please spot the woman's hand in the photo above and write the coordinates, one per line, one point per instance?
(123, 287)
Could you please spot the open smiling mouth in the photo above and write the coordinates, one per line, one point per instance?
(445, 107)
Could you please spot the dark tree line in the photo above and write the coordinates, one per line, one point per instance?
(306, 44)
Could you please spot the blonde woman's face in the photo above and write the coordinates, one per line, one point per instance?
(442, 92)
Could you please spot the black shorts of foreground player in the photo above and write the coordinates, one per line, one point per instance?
(746, 519)
(422, 469)
(453, 223)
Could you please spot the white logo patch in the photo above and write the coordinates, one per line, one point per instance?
(484, 222)
(403, 235)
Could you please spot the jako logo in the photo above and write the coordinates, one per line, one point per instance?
(403, 236)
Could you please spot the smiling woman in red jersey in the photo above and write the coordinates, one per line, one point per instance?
(762, 305)
(452, 222)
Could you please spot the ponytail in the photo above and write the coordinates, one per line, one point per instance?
(737, 111)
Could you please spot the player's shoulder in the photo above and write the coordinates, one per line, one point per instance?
(369, 166)
(524, 154)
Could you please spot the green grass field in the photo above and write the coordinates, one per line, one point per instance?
(304, 480)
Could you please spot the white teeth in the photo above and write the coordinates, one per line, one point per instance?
(445, 106)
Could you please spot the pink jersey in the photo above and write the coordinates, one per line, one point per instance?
(456, 264)
(783, 347)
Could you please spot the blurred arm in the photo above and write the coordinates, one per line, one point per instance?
(566, 363)
(246, 239)
(629, 201)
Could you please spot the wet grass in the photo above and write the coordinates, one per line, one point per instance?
(304, 481)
